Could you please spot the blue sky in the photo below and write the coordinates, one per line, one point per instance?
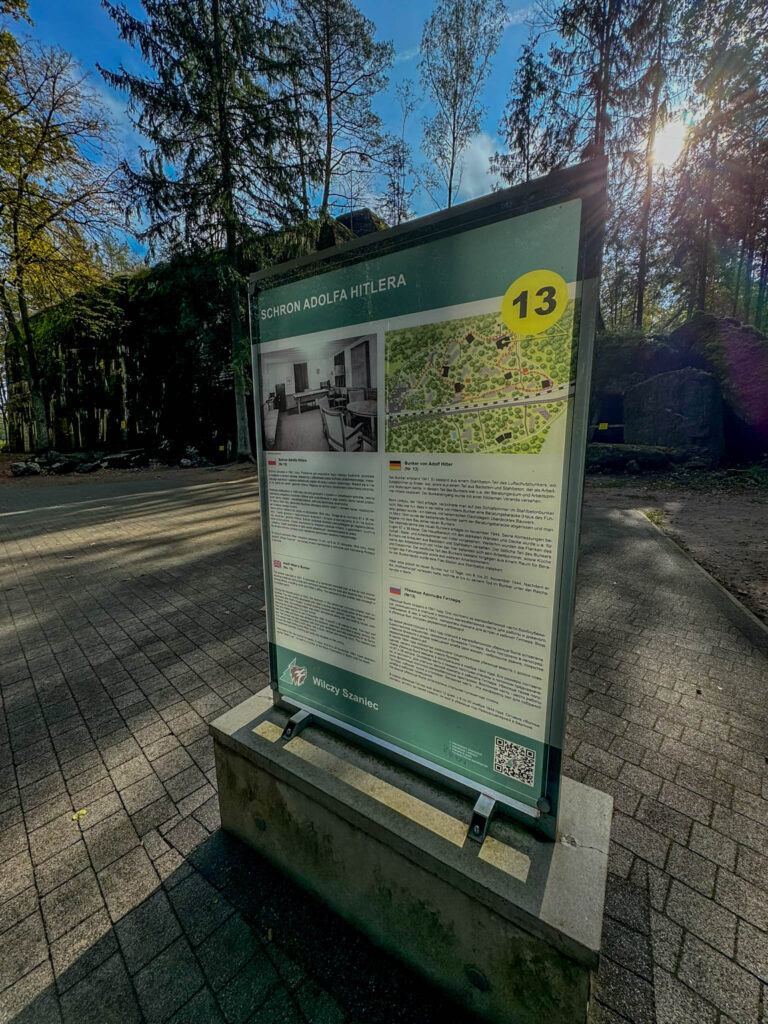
(84, 29)
(402, 22)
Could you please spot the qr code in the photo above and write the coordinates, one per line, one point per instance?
(514, 761)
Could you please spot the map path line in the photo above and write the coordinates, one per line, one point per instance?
(558, 394)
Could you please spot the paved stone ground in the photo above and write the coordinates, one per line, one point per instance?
(669, 714)
(129, 617)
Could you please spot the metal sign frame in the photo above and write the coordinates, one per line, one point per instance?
(586, 182)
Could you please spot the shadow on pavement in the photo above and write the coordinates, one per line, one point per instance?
(127, 623)
(226, 938)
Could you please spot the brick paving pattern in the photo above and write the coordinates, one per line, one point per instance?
(669, 714)
(129, 618)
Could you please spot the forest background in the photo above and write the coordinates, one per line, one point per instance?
(256, 129)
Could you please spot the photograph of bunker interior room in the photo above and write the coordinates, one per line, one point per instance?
(321, 397)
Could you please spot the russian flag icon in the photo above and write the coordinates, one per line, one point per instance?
(394, 590)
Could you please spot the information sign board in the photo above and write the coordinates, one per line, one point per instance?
(422, 402)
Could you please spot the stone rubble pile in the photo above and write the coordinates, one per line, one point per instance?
(53, 463)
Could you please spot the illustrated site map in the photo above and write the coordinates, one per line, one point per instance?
(472, 385)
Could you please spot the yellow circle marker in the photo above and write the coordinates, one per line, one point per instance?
(534, 302)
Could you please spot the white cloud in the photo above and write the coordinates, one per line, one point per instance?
(116, 105)
(405, 55)
(476, 178)
(520, 16)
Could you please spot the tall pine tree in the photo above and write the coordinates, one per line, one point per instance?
(342, 69)
(719, 216)
(594, 60)
(537, 127)
(656, 35)
(215, 113)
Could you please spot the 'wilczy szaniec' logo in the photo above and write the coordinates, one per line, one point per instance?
(298, 675)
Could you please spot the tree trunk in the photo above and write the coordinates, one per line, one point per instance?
(454, 154)
(749, 239)
(240, 371)
(39, 419)
(22, 337)
(642, 270)
(328, 97)
(241, 377)
(703, 273)
(738, 279)
(748, 278)
(760, 309)
(604, 78)
(4, 397)
(300, 152)
(39, 405)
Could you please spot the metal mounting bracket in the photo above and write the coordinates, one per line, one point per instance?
(296, 723)
(481, 817)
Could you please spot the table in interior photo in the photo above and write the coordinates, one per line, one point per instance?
(366, 410)
(305, 399)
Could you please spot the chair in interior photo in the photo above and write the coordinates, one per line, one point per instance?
(340, 436)
(337, 398)
(355, 395)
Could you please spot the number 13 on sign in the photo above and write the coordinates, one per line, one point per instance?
(534, 302)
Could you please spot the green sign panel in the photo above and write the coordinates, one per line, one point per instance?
(422, 403)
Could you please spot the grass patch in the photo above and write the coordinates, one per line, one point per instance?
(736, 479)
(656, 516)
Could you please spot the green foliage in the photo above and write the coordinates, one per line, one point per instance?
(14, 9)
(719, 211)
(19, 11)
(656, 516)
(601, 88)
(216, 111)
(536, 127)
(213, 112)
(150, 349)
(693, 236)
(57, 191)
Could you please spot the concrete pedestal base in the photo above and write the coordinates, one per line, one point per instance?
(510, 928)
